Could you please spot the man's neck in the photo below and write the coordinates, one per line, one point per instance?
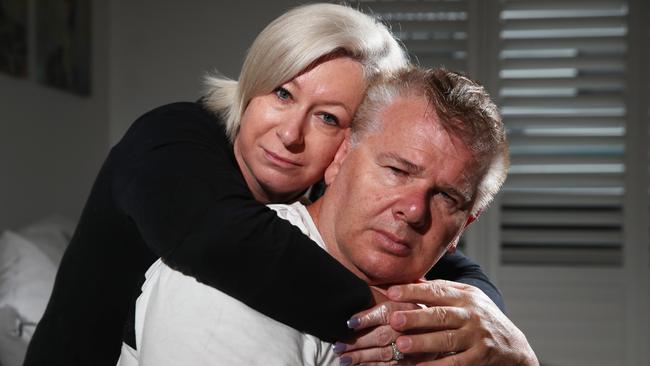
(314, 211)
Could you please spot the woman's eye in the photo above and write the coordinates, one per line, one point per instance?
(282, 93)
(329, 119)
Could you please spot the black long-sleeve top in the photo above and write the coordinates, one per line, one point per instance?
(171, 188)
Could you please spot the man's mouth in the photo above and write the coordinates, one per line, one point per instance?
(394, 244)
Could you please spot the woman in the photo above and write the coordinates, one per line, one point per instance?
(175, 188)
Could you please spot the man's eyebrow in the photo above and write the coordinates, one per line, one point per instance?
(407, 165)
(463, 194)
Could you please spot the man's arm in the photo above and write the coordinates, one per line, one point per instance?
(180, 321)
(459, 268)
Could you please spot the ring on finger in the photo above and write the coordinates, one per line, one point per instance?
(397, 355)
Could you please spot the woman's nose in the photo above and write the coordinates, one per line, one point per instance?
(290, 132)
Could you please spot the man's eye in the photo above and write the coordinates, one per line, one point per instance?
(448, 198)
(329, 119)
(282, 93)
(397, 171)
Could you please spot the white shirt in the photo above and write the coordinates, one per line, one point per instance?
(180, 321)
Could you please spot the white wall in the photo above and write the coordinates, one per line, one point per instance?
(571, 316)
(145, 53)
(160, 50)
(52, 142)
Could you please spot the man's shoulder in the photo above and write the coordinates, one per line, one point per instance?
(298, 215)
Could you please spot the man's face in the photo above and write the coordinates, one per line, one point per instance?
(400, 199)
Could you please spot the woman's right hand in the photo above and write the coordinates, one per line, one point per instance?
(373, 341)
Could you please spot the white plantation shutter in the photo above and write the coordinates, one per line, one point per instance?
(561, 82)
(561, 89)
(573, 220)
(433, 31)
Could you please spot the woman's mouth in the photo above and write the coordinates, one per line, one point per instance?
(280, 160)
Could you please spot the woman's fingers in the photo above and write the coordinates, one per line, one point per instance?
(430, 293)
(441, 342)
(382, 335)
(378, 315)
(433, 318)
(367, 355)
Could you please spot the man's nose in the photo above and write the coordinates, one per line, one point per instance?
(291, 131)
(412, 207)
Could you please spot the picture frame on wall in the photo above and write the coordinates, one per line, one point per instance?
(13, 37)
(63, 47)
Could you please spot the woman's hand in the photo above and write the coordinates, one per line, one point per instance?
(460, 325)
(375, 334)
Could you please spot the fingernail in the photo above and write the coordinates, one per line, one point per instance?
(404, 344)
(339, 347)
(394, 293)
(345, 361)
(354, 322)
(398, 319)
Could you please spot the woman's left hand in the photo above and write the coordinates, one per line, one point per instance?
(459, 326)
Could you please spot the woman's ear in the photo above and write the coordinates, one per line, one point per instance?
(333, 169)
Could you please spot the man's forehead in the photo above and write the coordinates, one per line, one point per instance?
(412, 136)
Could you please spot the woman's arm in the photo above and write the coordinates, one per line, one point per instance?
(459, 268)
(176, 180)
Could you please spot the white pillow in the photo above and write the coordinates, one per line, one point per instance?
(51, 235)
(12, 346)
(26, 278)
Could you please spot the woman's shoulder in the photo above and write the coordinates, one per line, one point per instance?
(178, 116)
(180, 122)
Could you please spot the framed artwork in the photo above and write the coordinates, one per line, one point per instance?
(63, 49)
(13, 37)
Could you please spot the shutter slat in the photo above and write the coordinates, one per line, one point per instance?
(383, 7)
(565, 198)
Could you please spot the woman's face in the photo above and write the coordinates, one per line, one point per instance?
(288, 137)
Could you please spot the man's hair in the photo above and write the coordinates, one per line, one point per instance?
(296, 41)
(464, 109)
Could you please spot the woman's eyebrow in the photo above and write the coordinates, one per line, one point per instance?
(297, 85)
(294, 83)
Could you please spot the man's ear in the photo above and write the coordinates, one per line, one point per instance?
(333, 169)
(471, 218)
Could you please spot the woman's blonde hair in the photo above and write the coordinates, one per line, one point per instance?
(295, 41)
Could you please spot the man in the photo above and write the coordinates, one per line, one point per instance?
(427, 153)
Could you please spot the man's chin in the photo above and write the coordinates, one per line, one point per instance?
(387, 272)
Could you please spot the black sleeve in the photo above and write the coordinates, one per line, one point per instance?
(176, 179)
(459, 268)
(193, 209)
